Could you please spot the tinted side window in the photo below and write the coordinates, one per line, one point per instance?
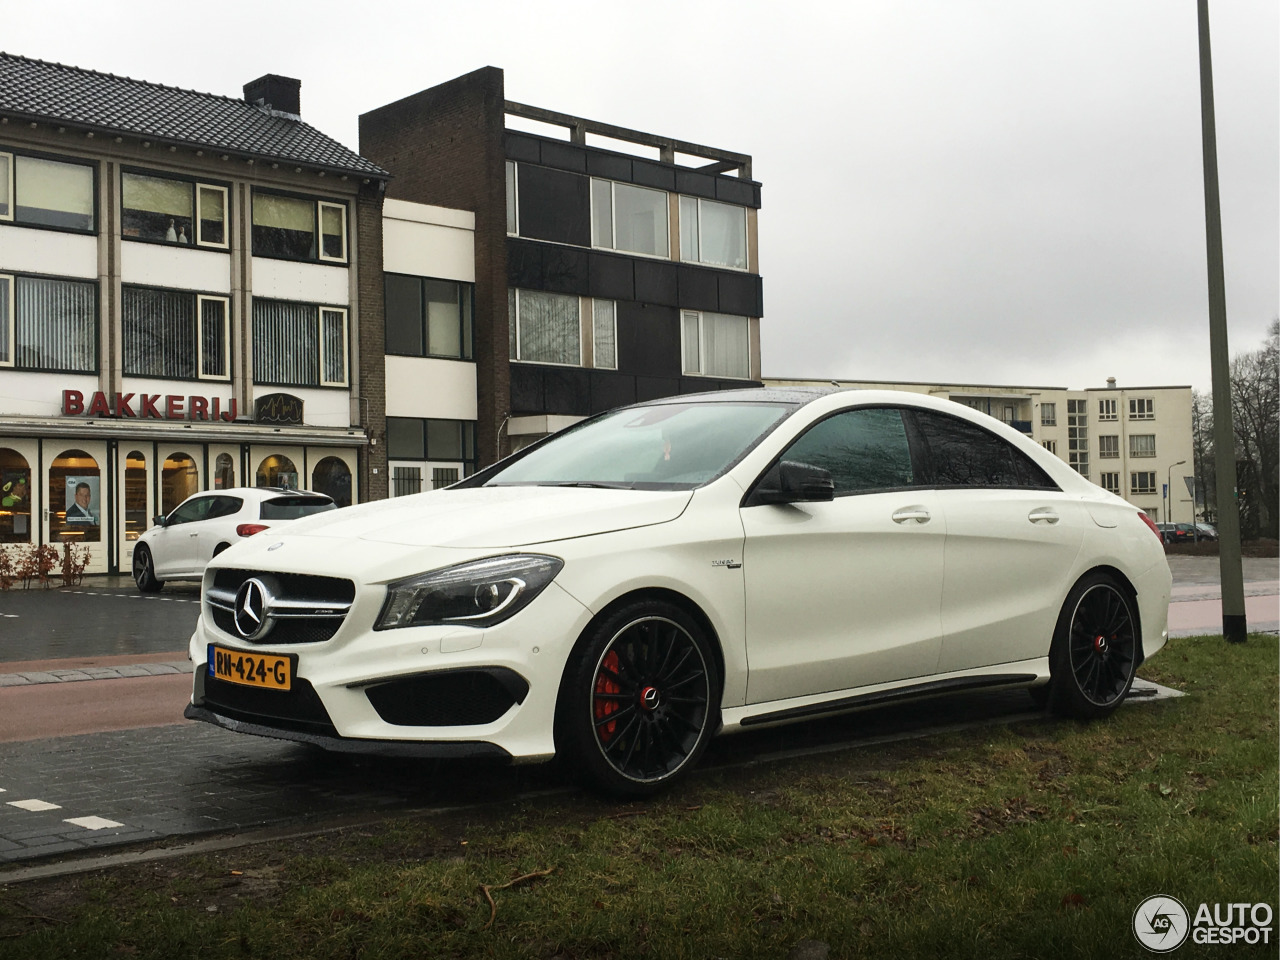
(958, 453)
(290, 508)
(224, 507)
(197, 509)
(862, 449)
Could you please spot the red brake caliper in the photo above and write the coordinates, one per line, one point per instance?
(606, 684)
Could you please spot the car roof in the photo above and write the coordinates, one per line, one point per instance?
(791, 395)
(261, 491)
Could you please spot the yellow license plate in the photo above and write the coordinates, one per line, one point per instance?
(251, 669)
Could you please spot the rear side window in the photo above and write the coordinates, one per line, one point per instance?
(224, 507)
(863, 450)
(957, 453)
(291, 508)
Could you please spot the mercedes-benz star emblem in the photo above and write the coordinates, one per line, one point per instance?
(253, 609)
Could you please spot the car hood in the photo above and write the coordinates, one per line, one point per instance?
(483, 517)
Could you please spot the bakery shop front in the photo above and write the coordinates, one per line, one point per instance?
(97, 474)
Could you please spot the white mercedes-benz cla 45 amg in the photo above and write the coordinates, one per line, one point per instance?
(628, 588)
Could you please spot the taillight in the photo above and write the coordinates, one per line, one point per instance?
(249, 529)
(1152, 524)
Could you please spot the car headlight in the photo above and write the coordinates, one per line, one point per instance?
(476, 594)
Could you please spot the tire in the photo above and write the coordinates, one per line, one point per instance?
(1095, 650)
(144, 571)
(639, 700)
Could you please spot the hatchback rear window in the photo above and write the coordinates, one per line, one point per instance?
(291, 508)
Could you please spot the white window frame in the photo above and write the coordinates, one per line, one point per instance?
(513, 224)
(1107, 410)
(1133, 483)
(1142, 408)
(1135, 453)
(1049, 419)
(1050, 445)
(1106, 452)
(702, 345)
(547, 363)
(13, 202)
(613, 218)
(1110, 487)
(320, 254)
(226, 337)
(595, 342)
(346, 345)
(12, 345)
(226, 217)
(746, 234)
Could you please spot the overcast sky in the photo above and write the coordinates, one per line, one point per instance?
(983, 191)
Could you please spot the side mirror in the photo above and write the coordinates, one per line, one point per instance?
(794, 482)
(160, 521)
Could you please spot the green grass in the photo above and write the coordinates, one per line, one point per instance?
(1035, 840)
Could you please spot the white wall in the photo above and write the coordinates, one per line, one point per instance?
(427, 241)
(427, 387)
(182, 268)
(23, 250)
(40, 394)
(300, 282)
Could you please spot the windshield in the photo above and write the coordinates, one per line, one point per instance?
(670, 446)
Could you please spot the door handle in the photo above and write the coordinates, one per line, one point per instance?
(1043, 515)
(918, 514)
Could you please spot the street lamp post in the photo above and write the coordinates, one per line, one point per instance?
(1168, 492)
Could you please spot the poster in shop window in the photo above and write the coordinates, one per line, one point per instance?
(82, 500)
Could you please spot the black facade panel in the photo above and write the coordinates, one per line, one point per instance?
(565, 270)
(736, 191)
(610, 166)
(525, 149)
(657, 282)
(648, 174)
(712, 385)
(612, 278)
(696, 184)
(698, 289)
(564, 156)
(609, 390)
(524, 264)
(741, 294)
(526, 389)
(554, 205)
(566, 391)
(648, 340)
(656, 388)
(755, 192)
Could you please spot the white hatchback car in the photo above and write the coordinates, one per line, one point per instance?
(624, 590)
(179, 546)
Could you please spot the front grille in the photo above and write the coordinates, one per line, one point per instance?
(450, 698)
(298, 708)
(303, 608)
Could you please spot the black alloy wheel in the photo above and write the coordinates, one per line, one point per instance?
(1095, 649)
(640, 699)
(144, 571)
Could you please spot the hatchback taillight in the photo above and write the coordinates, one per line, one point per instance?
(249, 529)
(1152, 524)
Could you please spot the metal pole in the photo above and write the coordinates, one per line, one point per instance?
(1234, 627)
(1168, 486)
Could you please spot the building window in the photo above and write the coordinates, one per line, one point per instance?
(1142, 408)
(1108, 447)
(169, 210)
(1048, 414)
(294, 228)
(1142, 445)
(1106, 409)
(513, 206)
(604, 334)
(48, 324)
(428, 318)
(1144, 482)
(544, 327)
(443, 476)
(1078, 436)
(35, 191)
(628, 218)
(715, 345)
(174, 335)
(713, 233)
(406, 481)
(299, 344)
(1110, 482)
(411, 438)
(1050, 445)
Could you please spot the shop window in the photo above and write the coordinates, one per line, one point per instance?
(48, 324)
(75, 498)
(15, 497)
(428, 318)
(179, 479)
(278, 471)
(715, 345)
(172, 210)
(174, 335)
(332, 477)
(713, 233)
(299, 345)
(224, 472)
(297, 228)
(36, 191)
(135, 495)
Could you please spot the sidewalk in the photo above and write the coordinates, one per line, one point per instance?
(1195, 606)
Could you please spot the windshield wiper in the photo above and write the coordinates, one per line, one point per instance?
(600, 484)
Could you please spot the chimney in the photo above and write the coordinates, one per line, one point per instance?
(1111, 383)
(280, 94)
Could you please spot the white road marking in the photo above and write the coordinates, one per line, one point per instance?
(34, 805)
(93, 823)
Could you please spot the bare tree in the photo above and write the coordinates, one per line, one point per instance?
(1202, 454)
(1255, 406)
